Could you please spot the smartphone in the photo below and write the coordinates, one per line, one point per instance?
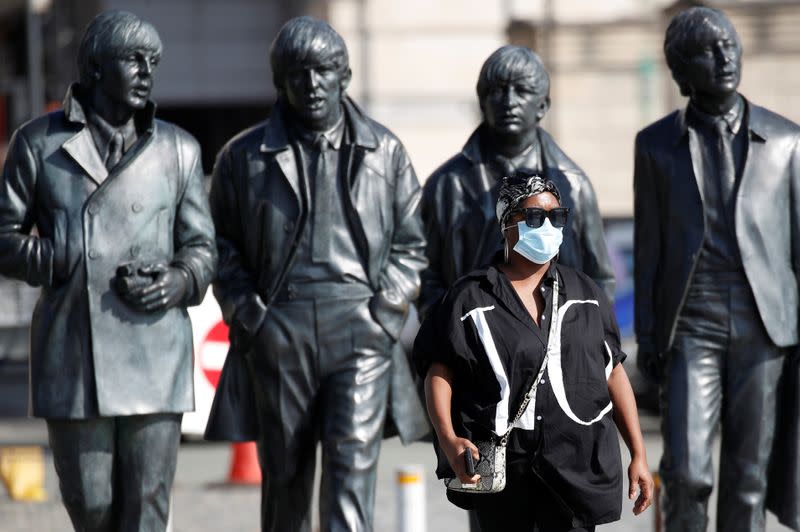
(469, 462)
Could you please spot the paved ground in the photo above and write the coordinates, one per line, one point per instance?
(201, 503)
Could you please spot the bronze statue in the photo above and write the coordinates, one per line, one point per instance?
(124, 243)
(459, 197)
(716, 218)
(321, 245)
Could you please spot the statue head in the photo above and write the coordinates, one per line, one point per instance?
(704, 53)
(311, 71)
(118, 56)
(513, 91)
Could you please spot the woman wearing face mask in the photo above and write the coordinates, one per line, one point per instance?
(486, 343)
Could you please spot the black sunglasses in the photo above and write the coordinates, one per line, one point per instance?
(534, 216)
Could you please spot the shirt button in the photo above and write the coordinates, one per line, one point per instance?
(544, 318)
(136, 207)
(542, 381)
(92, 210)
(542, 289)
(93, 254)
(538, 418)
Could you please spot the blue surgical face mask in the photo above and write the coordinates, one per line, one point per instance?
(540, 244)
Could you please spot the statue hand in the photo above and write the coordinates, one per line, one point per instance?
(648, 362)
(168, 289)
(246, 323)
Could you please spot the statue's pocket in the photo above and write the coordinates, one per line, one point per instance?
(371, 334)
(247, 322)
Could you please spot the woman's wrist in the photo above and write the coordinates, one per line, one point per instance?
(447, 437)
(638, 453)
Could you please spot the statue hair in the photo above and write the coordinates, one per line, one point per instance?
(512, 62)
(303, 39)
(683, 34)
(113, 33)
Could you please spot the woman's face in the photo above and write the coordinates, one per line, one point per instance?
(545, 201)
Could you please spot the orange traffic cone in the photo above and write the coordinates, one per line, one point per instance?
(22, 471)
(244, 464)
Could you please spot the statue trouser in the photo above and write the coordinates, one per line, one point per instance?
(723, 369)
(116, 473)
(321, 370)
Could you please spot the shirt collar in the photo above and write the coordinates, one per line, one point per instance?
(102, 132)
(551, 275)
(144, 120)
(334, 135)
(493, 274)
(530, 158)
(502, 291)
(733, 117)
(474, 150)
(358, 128)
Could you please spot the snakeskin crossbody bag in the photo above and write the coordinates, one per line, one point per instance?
(491, 465)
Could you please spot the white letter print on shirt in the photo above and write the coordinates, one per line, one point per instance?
(501, 410)
(556, 374)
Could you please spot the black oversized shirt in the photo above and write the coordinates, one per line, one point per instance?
(483, 333)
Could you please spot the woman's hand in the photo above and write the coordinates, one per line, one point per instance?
(639, 477)
(454, 449)
(627, 419)
(438, 396)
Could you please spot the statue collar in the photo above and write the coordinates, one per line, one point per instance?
(74, 109)
(734, 117)
(753, 120)
(276, 130)
(552, 156)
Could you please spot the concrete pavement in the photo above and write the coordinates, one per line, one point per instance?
(202, 503)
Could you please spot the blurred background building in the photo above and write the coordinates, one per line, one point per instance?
(415, 64)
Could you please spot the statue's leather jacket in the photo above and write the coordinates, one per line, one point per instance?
(458, 208)
(258, 206)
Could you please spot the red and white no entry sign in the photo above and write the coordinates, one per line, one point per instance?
(213, 350)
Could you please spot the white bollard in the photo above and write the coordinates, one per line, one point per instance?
(169, 516)
(411, 513)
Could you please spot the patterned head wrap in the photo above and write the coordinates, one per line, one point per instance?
(516, 188)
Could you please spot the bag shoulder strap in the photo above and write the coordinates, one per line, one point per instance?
(550, 343)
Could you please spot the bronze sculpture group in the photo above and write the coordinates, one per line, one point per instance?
(315, 241)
